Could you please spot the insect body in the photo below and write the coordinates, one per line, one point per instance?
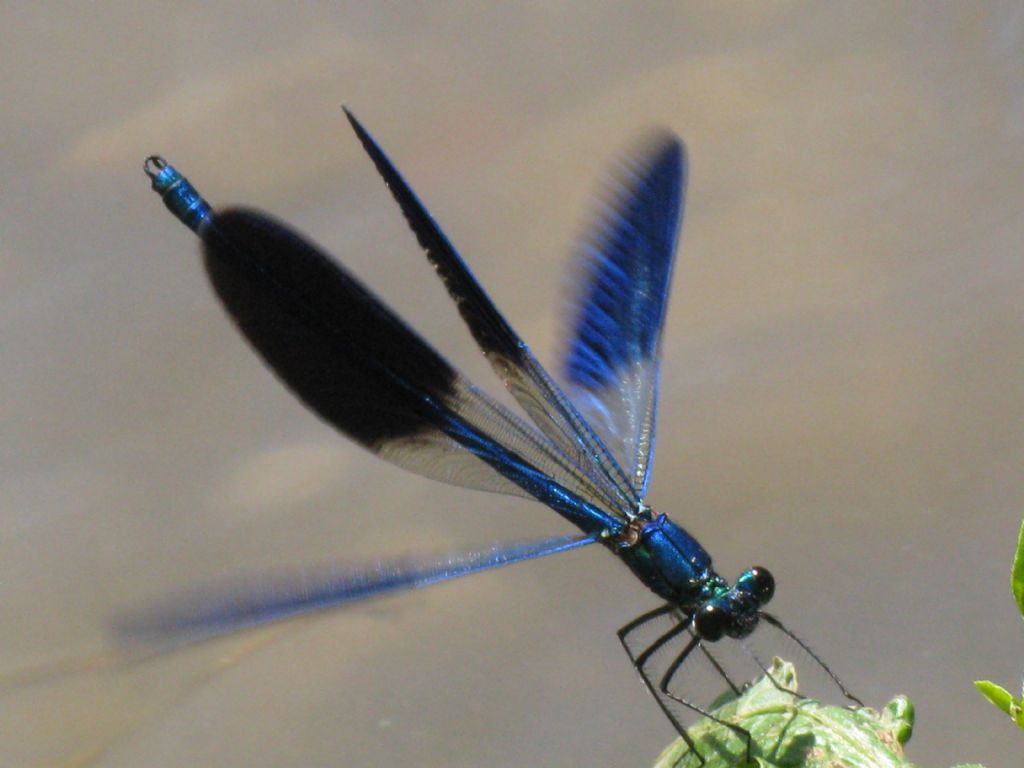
(587, 454)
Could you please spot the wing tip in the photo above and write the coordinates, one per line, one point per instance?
(352, 119)
(661, 150)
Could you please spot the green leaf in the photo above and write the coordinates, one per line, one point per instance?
(790, 732)
(997, 695)
(1017, 574)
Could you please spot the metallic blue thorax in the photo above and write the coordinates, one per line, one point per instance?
(672, 564)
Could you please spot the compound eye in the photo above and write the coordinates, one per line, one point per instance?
(711, 623)
(763, 584)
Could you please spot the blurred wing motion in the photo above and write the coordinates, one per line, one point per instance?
(624, 270)
(240, 605)
(358, 366)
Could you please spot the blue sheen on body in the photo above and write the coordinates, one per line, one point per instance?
(287, 297)
(672, 563)
(180, 197)
(587, 455)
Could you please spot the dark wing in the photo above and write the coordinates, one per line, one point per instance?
(624, 270)
(180, 620)
(360, 368)
(524, 377)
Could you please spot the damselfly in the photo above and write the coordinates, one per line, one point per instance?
(587, 453)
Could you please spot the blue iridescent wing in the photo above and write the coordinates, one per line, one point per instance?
(358, 366)
(524, 377)
(624, 269)
(264, 599)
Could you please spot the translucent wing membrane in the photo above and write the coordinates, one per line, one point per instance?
(217, 611)
(531, 386)
(359, 367)
(623, 273)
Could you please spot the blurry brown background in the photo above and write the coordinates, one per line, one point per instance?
(842, 383)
